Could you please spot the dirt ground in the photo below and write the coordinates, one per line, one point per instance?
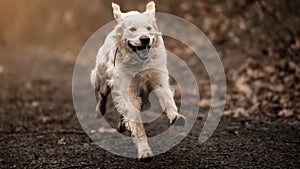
(260, 127)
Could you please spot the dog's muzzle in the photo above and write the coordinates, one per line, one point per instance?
(141, 51)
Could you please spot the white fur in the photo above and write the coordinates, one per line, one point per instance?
(130, 76)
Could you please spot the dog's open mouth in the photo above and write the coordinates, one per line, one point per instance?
(141, 51)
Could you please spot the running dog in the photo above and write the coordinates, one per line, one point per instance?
(132, 63)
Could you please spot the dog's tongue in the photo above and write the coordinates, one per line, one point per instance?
(142, 54)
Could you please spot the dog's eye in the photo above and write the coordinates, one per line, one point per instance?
(149, 28)
(132, 29)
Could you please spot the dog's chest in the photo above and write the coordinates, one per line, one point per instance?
(144, 77)
(148, 79)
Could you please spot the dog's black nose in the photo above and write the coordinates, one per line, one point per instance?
(145, 40)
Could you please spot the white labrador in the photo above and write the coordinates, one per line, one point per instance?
(132, 63)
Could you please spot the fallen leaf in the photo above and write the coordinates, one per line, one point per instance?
(286, 113)
(35, 104)
(243, 87)
(61, 141)
(204, 103)
(106, 130)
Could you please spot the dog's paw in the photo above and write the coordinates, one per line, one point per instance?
(144, 151)
(121, 127)
(179, 121)
(146, 156)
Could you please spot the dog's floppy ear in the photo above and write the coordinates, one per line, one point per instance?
(116, 11)
(150, 7)
(118, 32)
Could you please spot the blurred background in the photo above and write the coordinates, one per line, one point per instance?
(258, 42)
(64, 24)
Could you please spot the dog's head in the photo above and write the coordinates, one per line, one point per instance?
(137, 30)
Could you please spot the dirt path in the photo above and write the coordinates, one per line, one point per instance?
(39, 128)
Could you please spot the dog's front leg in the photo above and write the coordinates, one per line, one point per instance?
(165, 95)
(129, 105)
(138, 135)
(136, 126)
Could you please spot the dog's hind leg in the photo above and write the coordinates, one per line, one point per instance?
(137, 104)
(121, 126)
(102, 89)
(101, 98)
